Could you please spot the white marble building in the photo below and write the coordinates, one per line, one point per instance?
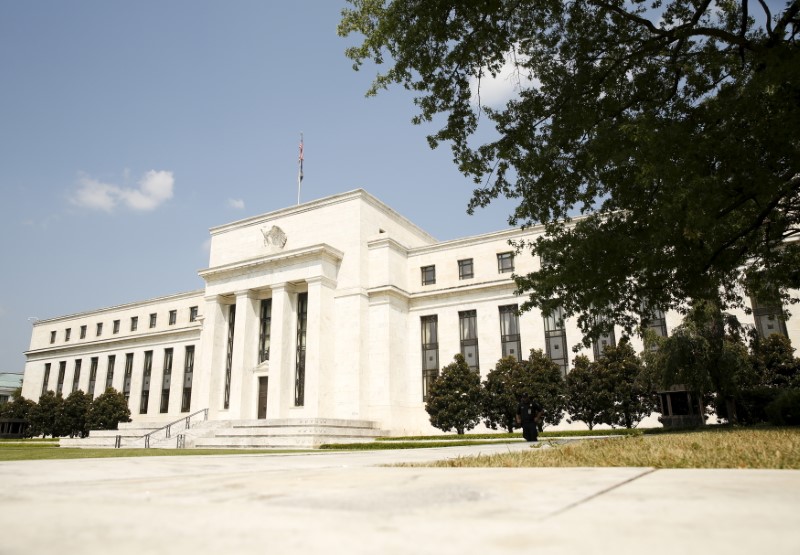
(336, 308)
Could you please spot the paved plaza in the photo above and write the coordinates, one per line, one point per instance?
(349, 503)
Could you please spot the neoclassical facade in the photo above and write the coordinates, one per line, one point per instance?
(337, 308)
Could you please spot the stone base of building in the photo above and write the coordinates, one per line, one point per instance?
(682, 421)
(294, 433)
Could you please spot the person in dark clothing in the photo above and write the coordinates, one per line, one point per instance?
(528, 413)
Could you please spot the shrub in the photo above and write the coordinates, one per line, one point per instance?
(454, 399)
(785, 409)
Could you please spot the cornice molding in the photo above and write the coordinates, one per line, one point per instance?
(115, 343)
(320, 251)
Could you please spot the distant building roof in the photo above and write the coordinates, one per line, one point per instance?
(10, 381)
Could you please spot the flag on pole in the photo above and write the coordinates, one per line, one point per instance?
(300, 168)
(300, 159)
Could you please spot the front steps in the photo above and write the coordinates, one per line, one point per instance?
(290, 433)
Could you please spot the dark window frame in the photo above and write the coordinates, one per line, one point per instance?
(555, 338)
(510, 336)
(429, 336)
(428, 274)
(300, 361)
(505, 262)
(466, 269)
(468, 334)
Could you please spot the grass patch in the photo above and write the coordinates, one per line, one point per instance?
(516, 435)
(388, 445)
(723, 448)
(29, 440)
(54, 452)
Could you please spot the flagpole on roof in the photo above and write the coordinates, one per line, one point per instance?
(300, 169)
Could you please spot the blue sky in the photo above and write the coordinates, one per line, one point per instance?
(128, 129)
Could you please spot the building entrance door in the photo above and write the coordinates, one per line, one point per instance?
(262, 396)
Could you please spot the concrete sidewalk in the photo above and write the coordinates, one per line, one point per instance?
(346, 503)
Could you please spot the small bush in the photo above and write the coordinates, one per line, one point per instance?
(785, 409)
(751, 406)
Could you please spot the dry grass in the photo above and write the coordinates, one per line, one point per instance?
(771, 448)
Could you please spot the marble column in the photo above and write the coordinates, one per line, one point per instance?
(319, 378)
(280, 397)
(245, 344)
(209, 368)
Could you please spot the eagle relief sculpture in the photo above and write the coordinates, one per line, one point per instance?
(275, 237)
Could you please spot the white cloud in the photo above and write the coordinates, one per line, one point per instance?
(236, 203)
(495, 91)
(154, 188)
(95, 195)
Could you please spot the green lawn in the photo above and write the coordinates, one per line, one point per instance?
(42, 451)
(712, 448)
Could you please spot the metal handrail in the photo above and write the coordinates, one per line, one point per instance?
(166, 428)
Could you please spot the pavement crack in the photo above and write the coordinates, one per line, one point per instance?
(598, 494)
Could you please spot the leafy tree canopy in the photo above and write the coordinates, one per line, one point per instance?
(589, 393)
(632, 385)
(108, 410)
(541, 382)
(75, 413)
(46, 417)
(502, 395)
(671, 126)
(454, 399)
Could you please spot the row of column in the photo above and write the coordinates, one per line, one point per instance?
(282, 365)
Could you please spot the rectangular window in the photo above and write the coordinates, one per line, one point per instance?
(115, 326)
(92, 375)
(188, 371)
(46, 378)
(192, 313)
(300, 363)
(555, 337)
(226, 399)
(165, 381)
(67, 334)
(430, 352)
(76, 376)
(768, 316)
(126, 385)
(653, 319)
(99, 329)
(62, 369)
(110, 371)
(468, 329)
(428, 275)
(509, 332)
(52, 337)
(146, 372)
(83, 332)
(465, 269)
(505, 262)
(264, 329)
(134, 323)
(152, 320)
(173, 317)
(608, 339)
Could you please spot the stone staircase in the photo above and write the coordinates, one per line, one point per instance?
(131, 433)
(291, 433)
